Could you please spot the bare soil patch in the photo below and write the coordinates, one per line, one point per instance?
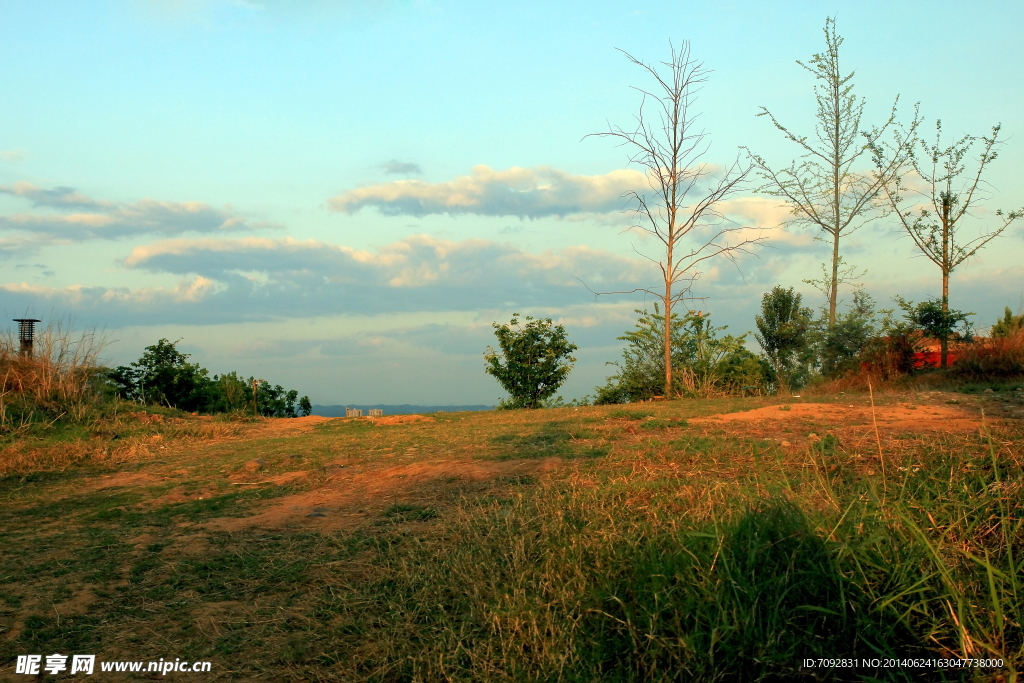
(287, 425)
(109, 481)
(83, 599)
(399, 419)
(902, 417)
(341, 502)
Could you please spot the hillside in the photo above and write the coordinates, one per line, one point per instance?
(728, 539)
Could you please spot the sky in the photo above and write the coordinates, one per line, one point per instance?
(343, 197)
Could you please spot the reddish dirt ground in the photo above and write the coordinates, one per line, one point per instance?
(341, 501)
(399, 419)
(350, 496)
(903, 417)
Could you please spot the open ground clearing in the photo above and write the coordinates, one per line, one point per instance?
(685, 540)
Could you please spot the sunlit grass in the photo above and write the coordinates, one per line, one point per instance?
(659, 548)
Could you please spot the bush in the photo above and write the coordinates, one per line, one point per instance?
(891, 354)
(703, 363)
(534, 360)
(1008, 325)
(943, 324)
(641, 374)
(163, 376)
(838, 347)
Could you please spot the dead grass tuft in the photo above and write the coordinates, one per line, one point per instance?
(993, 358)
(57, 382)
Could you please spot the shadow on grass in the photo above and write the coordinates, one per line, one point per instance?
(565, 440)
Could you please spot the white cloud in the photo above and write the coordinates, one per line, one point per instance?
(523, 192)
(255, 278)
(79, 218)
(770, 216)
(190, 291)
(13, 156)
(414, 262)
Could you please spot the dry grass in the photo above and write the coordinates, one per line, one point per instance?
(665, 545)
(110, 441)
(993, 358)
(55, 383)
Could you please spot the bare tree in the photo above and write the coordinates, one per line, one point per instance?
(682, 210)
(931, 214)
(823, 189)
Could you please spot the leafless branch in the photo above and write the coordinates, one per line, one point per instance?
(684, 193)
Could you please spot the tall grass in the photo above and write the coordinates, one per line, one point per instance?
(56, 383)
(661, 580)
(993, 358)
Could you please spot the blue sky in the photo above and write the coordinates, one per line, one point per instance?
(318, 193)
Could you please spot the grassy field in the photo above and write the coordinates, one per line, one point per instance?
(652, 542)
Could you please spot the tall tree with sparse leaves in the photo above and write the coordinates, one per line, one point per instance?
(933, 216)
(825, 189)
(533, 362)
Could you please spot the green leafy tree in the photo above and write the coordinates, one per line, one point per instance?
(275, 401)
(231, 394)
(163, 376)
(533, 362)
(1008, 325)
(938, 321)
(825, 189)
(783, 333)
(305, 407)
(837, 347)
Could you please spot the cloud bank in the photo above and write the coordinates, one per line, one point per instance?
(253, 278)
(523, 192)
(74, 217)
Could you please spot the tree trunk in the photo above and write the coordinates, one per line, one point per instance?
(669, 263)
(668, 340)
(944, 342)
(836, 213)
(835, 280)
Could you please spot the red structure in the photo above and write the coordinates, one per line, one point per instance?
(930, 354)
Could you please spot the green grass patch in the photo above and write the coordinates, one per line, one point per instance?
(554, 439)
(407, 512)
(630, 414)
